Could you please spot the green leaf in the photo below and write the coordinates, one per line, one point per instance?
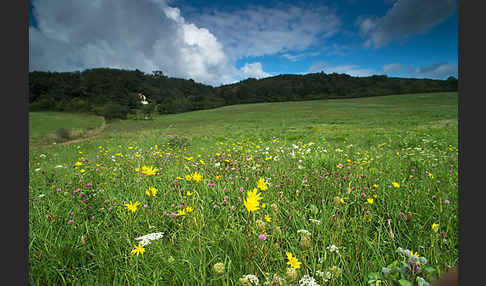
(374, 276)
(429, 269)
(404, 282)
(314, 210)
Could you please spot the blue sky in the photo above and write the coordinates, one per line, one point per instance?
(217, 42)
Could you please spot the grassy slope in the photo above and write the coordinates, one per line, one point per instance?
(385, 128)
(43, 125)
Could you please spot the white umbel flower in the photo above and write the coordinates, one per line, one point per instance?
(147, 239)
(308, 281)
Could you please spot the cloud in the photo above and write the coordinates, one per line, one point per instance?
(392, 68)
(298, 57)
(434, 71)
(148, 35)
(253, 70)
(404, 19)
(352, 70)
(258, 31)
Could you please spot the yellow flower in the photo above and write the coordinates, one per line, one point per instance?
(189, 158)
(370, 201)
(139, 249)
(151, 191)
(78, 164)
(179, 178)
(293, 261)
(202, 162)
(375, 186)
(148, 170)
(188, 194)
(181, 212)
(197, 176)
(252, 200)
(268, 218)
(188, 209)
(396, 185)
(82, 171)
(435, 227)
(262, 185)
(188, 177)
(132, 207)
(130, 147)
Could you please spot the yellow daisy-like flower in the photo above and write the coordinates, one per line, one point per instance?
(78, 163)
(268, 218)
(188, 177)
(197, 177)
(252, 200)
(293, 261)
(396, 185)
(370, 201)
(262, 185)
(82, 171)
(188, 194)
(132, 206)
(139, 249)
(435, 227)
(181, 212)
(149, 170)
(151, 191)
(189, 209)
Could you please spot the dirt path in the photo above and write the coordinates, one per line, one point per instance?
(91, 134)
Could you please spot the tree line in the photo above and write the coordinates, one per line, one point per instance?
(113, 93)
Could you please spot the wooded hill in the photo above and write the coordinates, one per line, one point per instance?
(114, 93)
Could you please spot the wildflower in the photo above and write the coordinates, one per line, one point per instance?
(333, 248)
(262, 236)
(318, 222)
(435, 227)
(268, 218)
(70, 221)
(339, 165)
(189, 209)
(291, 274)
(304, 242)
(306, 232)
(151, 191)
(252, 200)
(446, 202)
(188, 177)
(149, 170)
(396, 185)
(197, 176)
(219, 268)
(78, 163)
(147, 239)
(307, 280)
(132, 206)
(370, 201)
(262, 185)
(293, 261)
(249, 280)
(181, 212)
(139, 249)
(261, 225)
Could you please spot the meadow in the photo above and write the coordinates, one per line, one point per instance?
(329, 192)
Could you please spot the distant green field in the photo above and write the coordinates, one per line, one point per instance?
(345, 187)
(44, 125)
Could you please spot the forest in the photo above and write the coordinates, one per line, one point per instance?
(115, 93)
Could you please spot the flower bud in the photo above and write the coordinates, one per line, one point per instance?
(219, 268)
(291, 274)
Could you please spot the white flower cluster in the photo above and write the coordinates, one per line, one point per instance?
(333, 248)
(304, 231)
(315, 221)
(308, 281)
(147, 239)
(251, 278)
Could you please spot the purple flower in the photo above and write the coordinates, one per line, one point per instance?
(89, 185)
(363, 195)
(80, 195)
(71, 214)
(77, 190)
(59, 190)
(446, 201)
(215, 206)
(70, 221)
(262, 237)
